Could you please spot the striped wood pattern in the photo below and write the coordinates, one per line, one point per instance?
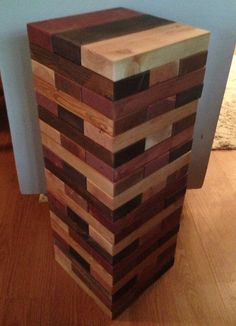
(116, 112)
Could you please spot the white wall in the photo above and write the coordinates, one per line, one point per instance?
(215, 15)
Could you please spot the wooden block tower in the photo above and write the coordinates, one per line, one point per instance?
(117, 94)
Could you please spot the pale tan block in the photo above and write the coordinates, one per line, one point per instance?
(124, 56)
(43, 72)
(98, 136)
(99, 194)
(158, 137)
(49, 131)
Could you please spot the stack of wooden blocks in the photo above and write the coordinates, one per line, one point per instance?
(117, 93)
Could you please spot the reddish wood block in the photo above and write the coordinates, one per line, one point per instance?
(43, 101)
(130, 121)
(73, 147)
(68, 86)
(98, 102)
(160, 107)
(129, 181)
(182, 137)
(56, 205)
(100, 166)
(179, 174)
(52, 157)
(163, 73)
(183, 124)
(76, 197)
(41, 32)
(156, 164)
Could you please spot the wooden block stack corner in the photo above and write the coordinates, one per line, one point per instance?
(117, 94)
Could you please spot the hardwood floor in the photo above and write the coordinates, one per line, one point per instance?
(199, 290)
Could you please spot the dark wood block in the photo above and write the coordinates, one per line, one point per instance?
(129, 152)
(130, 121)
(192, 63)
(129, 181)
(76, 197)
(76, 176)
(71, 119)
(41, 32)
(100, 166)
(156, 164)
(68, 86)
(180, 150)
(52, 157)
(188, 96)
(67, 44)
(131, 85)
(183, 124)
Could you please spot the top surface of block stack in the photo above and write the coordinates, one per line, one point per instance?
(117, 94)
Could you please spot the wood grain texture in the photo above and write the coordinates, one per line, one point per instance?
(163, 73)
(154, 178)
(117, 129)
(57, 188)
(68, 44)
(153, 126)
(76, 107)
(135, 103)
(89, 80)
(76, 137)
(68, 86)
(78, 164)
(43, 72)
(41, 32)
(153, 48)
